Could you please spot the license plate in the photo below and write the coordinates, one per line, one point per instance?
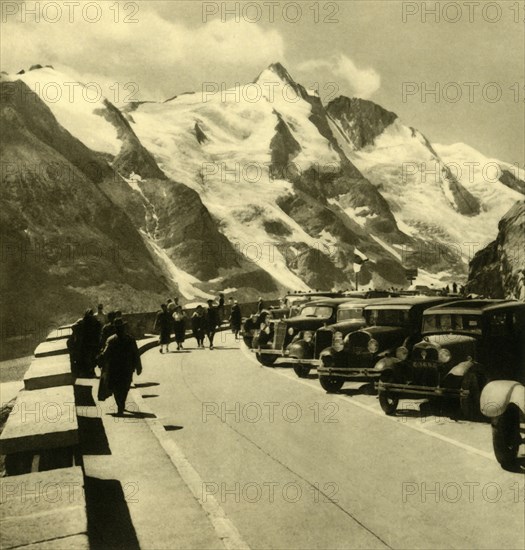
(424, 364)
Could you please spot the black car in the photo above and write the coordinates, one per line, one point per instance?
(464, 345)
(272, 340)
(390, 323)
(305, 350)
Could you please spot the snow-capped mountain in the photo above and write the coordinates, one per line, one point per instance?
(262, 188)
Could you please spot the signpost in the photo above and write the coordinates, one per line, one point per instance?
(411, 274)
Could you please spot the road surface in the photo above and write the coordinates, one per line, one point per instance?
(294, 467)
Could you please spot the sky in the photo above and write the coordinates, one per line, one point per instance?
(456, 72)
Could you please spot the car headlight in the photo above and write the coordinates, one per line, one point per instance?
(290, 331)
(373, 346)
(401, 353)
(337, 342)
(308, 335)
(444, 355)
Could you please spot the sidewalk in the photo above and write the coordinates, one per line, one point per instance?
(135, 496)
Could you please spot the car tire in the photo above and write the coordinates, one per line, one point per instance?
(388, 400)
(506, 437)
(265, 359)
(331, 384)
(470, 407)
(302, 371)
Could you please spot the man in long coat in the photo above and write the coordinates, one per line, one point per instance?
(212, 322)
(122, 359)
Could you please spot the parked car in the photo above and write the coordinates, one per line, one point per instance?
(291, 304)
(272, 340)
(464, 345)
(390, 323)
(305, 350)
(503, 401)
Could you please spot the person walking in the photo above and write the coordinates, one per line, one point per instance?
(235, 319)
(122, 359)
(179, 326)
(198, 326)
(164, 324)
(260, 305)
(212, 322)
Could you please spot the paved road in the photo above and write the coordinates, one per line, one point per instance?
(294, 467)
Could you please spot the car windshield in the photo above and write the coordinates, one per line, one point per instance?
(350, 314)
(452, 322)
(321, 312)
(387, 317)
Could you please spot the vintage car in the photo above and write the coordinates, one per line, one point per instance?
(503, 401)
(293, 302)
(464, 345)
(273, 339)
(305, 349)
(390, 323)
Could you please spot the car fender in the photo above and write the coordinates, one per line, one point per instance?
(461, 368)
(386, 363)
(499, 394)
(301, 349)
(327, 357)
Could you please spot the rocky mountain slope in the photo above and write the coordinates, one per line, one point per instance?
(498, 270)
(259, 189)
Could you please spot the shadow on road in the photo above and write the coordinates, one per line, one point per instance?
(93, 440)
(109, 521)
(172, 428)
(147, 384)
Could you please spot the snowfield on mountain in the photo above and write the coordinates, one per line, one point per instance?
(264, 182)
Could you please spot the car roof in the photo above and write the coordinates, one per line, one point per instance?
(331, 301)
(406, 302)
(476, 307)
(361, 302)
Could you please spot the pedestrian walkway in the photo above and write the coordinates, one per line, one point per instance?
(135, 496)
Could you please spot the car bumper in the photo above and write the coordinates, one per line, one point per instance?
(264, 351)
(348, 374)
(295, 361)
(412, 389)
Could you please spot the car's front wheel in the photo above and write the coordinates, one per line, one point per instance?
(506, 437)
(265, 359)
(388, 400)
(302, 371)
(331, 384)
(469, 404)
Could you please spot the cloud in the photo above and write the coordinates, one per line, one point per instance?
(154, 51)
(362, 82)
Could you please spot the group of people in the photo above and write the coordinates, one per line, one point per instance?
(102, 340)
(171, 319)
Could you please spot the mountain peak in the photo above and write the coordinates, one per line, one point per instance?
(280, 71)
